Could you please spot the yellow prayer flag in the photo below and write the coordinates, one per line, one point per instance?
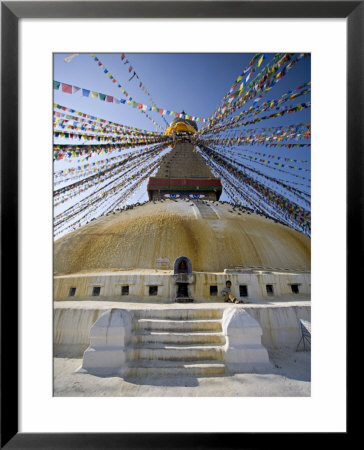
(260, 61)
(94, 94)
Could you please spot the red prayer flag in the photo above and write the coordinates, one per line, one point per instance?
(122, 56)
(66, 88)
(130, 68)
(109, 98)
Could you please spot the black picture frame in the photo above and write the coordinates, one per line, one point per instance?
(11, 12)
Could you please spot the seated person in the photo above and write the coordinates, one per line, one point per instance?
(226, 292)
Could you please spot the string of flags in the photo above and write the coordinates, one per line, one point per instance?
(70, 89)
(113, 80)
(117, 170)
(231, 140)
(243, 79)
(85, 168)
(83, 212)
(83, 116)
(140, 83)
(269, 76)
(255, 111)
(295, 211)
(259, 161)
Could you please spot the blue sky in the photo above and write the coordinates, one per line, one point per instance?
(193, 82)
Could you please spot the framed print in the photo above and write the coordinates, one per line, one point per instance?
(196, 182)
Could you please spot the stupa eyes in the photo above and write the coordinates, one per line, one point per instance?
(177, 195)
(172, 195)
(197, 195)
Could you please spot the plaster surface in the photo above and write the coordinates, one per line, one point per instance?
(279, 320)
(289, 376)
(137, 237)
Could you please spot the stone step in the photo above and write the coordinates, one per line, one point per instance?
(179, 314)
(177, 338)
(168, 368)
(177, 325)
(175, 353)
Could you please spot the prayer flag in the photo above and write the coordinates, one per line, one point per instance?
(70, 57)
(85, 92)
(67, 88)
(102, 97)
(109, 98)
(94, 94)
(56, 85)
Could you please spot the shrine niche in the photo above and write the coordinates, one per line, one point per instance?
(183, 277)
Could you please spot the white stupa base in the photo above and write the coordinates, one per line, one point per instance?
(106, 354)
(244, 351)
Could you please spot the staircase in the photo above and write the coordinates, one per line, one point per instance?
(176, 342)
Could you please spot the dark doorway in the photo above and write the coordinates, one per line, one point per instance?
(182, 290)
(270, 289)
(182, 267)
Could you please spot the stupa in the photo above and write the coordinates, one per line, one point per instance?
(136, 254)
(181, 246)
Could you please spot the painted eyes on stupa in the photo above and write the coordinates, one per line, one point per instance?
(176, 195)
(197, 195)
(172, 195)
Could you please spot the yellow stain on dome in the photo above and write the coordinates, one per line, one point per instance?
(135, 238)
